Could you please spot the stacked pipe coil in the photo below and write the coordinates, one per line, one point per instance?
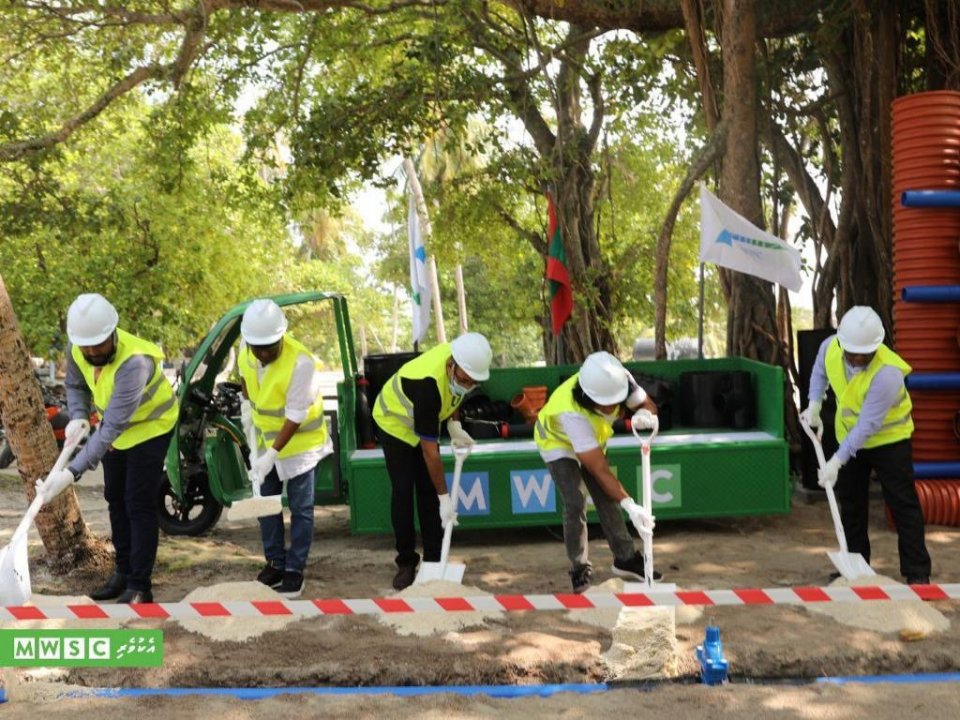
(926, 252)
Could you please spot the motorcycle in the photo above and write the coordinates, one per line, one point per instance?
(55, 405)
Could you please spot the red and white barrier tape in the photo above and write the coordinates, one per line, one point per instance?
(480, 603)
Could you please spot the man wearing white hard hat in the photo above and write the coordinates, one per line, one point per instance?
(571, 432)
(122, 376)
(873, 427)
(281, 387)
(409, 409)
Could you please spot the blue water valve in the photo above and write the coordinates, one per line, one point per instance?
(713, 666)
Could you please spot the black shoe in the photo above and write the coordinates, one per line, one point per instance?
(270, 576)
(918, 579)
(581, 578)
(405, 576)
(129, 597)
(113, 589)
(292, 584)
(632, 569)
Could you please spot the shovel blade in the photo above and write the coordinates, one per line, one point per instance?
(633, 588)
(850, 565)
(255, 507)
(15, 572)
(435, 571)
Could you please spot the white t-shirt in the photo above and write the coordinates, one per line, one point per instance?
(579, 432)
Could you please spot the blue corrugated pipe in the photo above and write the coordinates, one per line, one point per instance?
(931, 293)
(933, 381)
(926, 470)
(497, 691)
(931, 198)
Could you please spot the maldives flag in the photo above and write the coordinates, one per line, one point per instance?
(561, 294)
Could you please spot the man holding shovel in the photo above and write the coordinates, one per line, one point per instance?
(409, 409)
(283, 402)
(122, 375)
(571, 432)
(873, 426)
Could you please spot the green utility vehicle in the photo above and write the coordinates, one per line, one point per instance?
(703, 466)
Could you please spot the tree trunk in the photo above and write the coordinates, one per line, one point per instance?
(65, 536)
(751, 306)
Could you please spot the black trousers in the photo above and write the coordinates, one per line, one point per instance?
(410, 478)
(131, 485)
(893, 464)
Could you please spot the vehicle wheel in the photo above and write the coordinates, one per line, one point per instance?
(195, 514)
(6, 454)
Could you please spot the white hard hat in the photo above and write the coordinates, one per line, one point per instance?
(860, 330)
(91, 319)
(604, 379)
(472, 352)
(263, 323)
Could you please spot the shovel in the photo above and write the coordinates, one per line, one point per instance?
(445, 570)
(14, 561)
(850, 565)
(258, 505)
(647, 537)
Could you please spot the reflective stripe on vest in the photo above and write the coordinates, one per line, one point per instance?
(393, 410)
(268, 399)
(156, 413)
(548, 431)
(898, 422)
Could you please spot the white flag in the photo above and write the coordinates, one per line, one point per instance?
(419, 279)
(730, 240)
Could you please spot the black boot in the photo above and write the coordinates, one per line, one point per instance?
(113, 588)
(130, 597)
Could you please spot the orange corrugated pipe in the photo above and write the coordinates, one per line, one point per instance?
(939, 502)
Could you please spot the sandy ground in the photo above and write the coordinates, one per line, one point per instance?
(761, 643)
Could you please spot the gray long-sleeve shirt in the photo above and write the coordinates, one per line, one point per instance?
(131, 378)
(885, 389)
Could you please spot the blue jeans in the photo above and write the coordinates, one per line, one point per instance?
(300, 502)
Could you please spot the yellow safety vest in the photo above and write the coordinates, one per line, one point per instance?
(898, 423)
(157, 412)
(548, 432)
(268, 399)
(393, 411)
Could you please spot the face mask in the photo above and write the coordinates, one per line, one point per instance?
(854, 369)
(457, 389)
(611, 417)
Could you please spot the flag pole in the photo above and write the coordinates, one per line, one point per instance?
(700, 318)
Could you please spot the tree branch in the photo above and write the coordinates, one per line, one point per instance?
(19, 148)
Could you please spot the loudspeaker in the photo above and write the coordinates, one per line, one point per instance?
(808, 344)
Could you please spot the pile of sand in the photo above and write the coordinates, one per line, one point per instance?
(238, 629)
(38, 685)
(913, 617)
(423, 624)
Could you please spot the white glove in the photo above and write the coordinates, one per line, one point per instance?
(811, 416)
(264, 464)
(641, 519)
(459, 436)
(76, 430)
(246, 415)
(55, 484)
(448, 511)
(643, 420)
(829, 472)
(637, 397)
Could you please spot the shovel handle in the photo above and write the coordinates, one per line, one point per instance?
(68, 447)
(460, 454)
(831, 496)
(815, 439)
(646, 441)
